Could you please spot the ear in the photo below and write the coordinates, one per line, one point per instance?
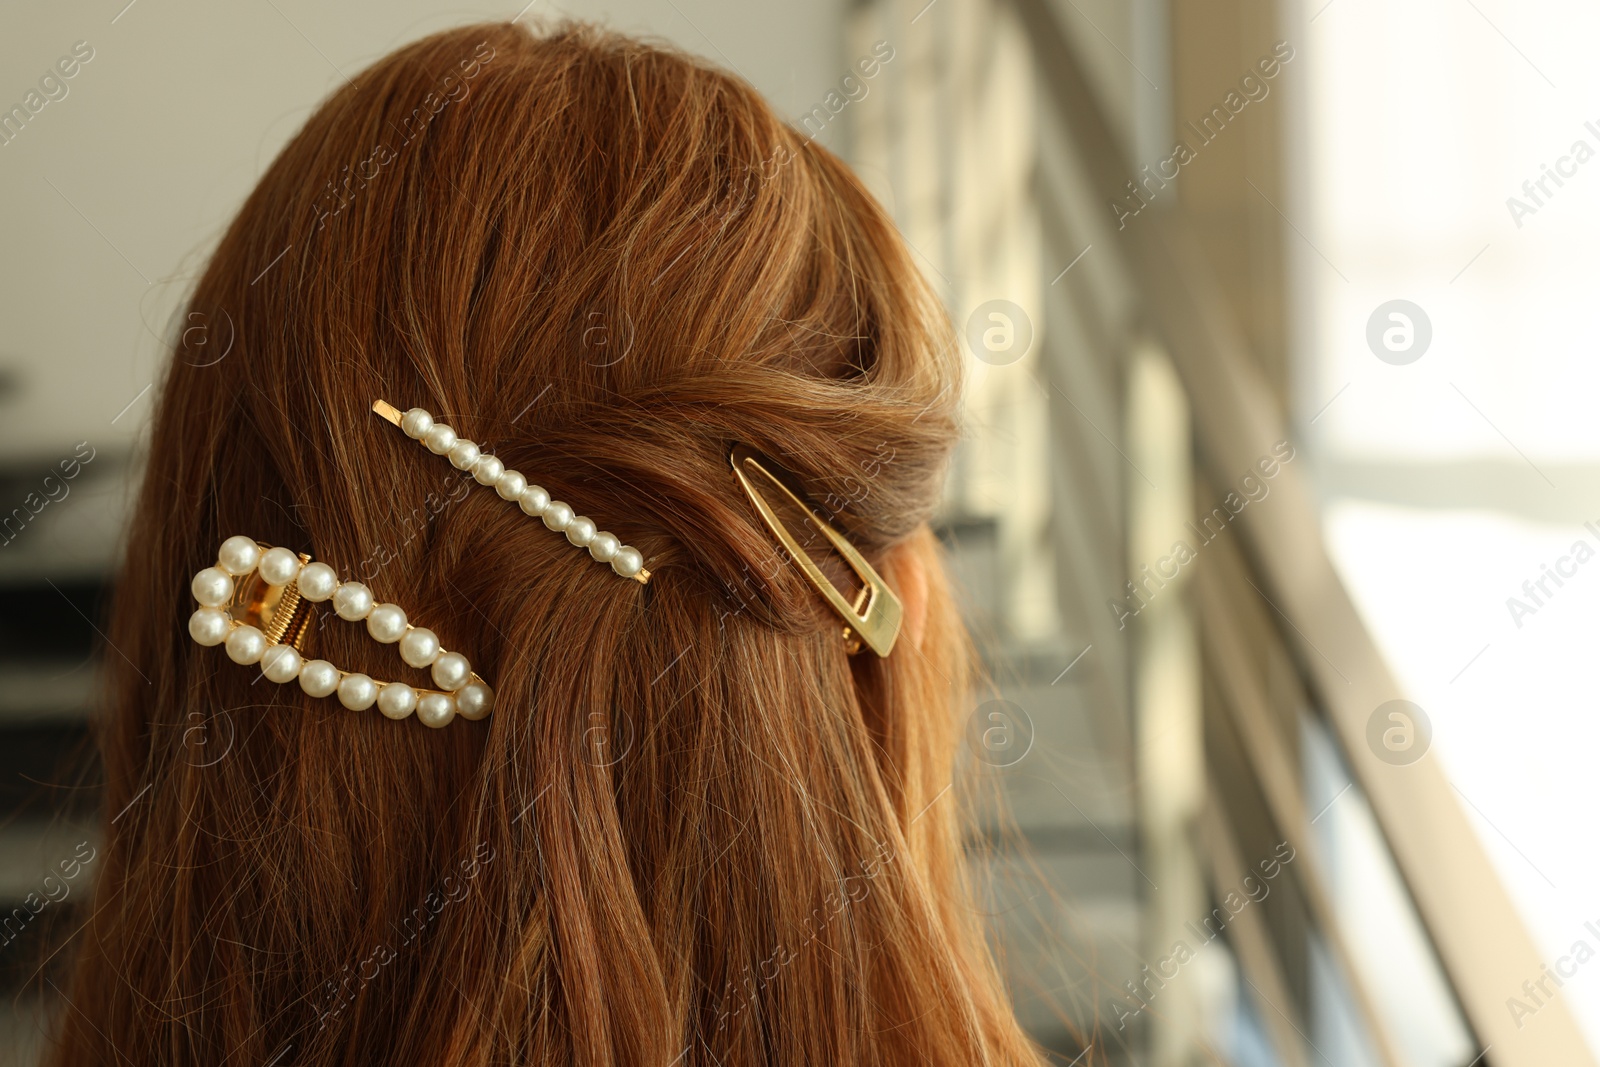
(912, 586)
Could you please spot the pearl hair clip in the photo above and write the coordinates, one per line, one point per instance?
(256, 602)
(534, 500)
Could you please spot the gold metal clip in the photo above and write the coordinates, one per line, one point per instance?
(282, 615)
(874, 616)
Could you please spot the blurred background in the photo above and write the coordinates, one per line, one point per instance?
(1277, 511)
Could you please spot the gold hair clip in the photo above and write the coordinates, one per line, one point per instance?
(534, 500)
(874, 616)
(256, 602)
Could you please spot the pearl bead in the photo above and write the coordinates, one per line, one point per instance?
(246, 644)
(357, 692)
(209, 626)
(419, 647)
(238, 555)
(386, 623)
(451, 671)
(488, 470)
(556, 515)
(474, 701)
(416, 422)
(278, 566)
(534, 500)
(627, 562)
(212, 587)
(318, 677)
(397, 700)
(604, 546)
(581, 530)
(436, 709)
(439, 438)
(352, 601)
(317, 582)
(510, 485)
(280, 663)
(464, 454)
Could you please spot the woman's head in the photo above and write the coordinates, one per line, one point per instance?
(694, 830)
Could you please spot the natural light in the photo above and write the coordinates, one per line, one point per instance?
(1451, 161)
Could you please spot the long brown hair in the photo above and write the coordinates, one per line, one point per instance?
(608, 262)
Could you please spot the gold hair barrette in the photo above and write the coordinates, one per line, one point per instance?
(534, 500)
(256, 602)
(873, 617)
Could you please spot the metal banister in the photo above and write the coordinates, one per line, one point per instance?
(1482, 943)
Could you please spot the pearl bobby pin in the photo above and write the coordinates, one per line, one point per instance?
(256, 603)
(513, 486)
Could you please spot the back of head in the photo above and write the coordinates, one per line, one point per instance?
(694, 830)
